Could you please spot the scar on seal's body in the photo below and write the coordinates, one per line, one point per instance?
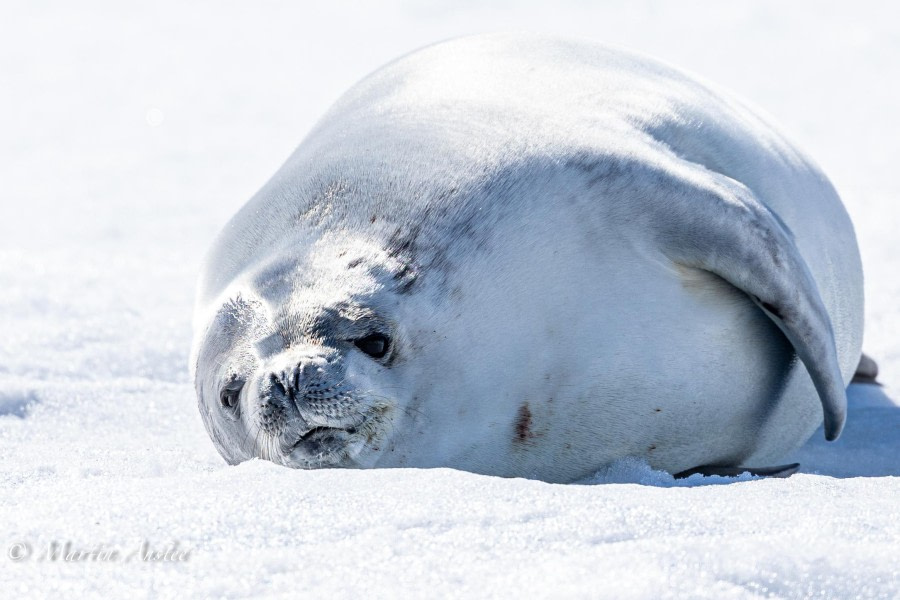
(523, 424)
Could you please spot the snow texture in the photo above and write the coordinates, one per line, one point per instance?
(130, 135)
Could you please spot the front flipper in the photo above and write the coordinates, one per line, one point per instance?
(781, 472)
(709, 221)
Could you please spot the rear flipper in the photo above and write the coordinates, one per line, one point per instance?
(867, 371)
(782, 472)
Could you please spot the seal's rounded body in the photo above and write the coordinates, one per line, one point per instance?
(525, 256)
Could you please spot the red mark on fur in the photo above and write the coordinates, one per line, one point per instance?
(523, 423)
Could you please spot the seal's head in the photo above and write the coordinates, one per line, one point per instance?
(298, 364)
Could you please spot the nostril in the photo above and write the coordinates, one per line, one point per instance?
(277, 384)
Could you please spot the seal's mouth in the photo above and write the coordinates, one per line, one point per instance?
(327, 446)
(318, 436)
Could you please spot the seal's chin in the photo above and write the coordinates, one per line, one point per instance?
(321, 447)
(324, 447)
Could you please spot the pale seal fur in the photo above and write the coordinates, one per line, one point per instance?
(527, 256)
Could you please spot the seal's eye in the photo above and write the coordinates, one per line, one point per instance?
(375, 345)
(230, 394)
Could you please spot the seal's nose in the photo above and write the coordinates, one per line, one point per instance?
(291, 380)
(298, 391)
(291, 373)
(284, 399)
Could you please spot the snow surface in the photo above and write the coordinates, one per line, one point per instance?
(129, 135)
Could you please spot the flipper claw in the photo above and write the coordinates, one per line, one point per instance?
(780, 472)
